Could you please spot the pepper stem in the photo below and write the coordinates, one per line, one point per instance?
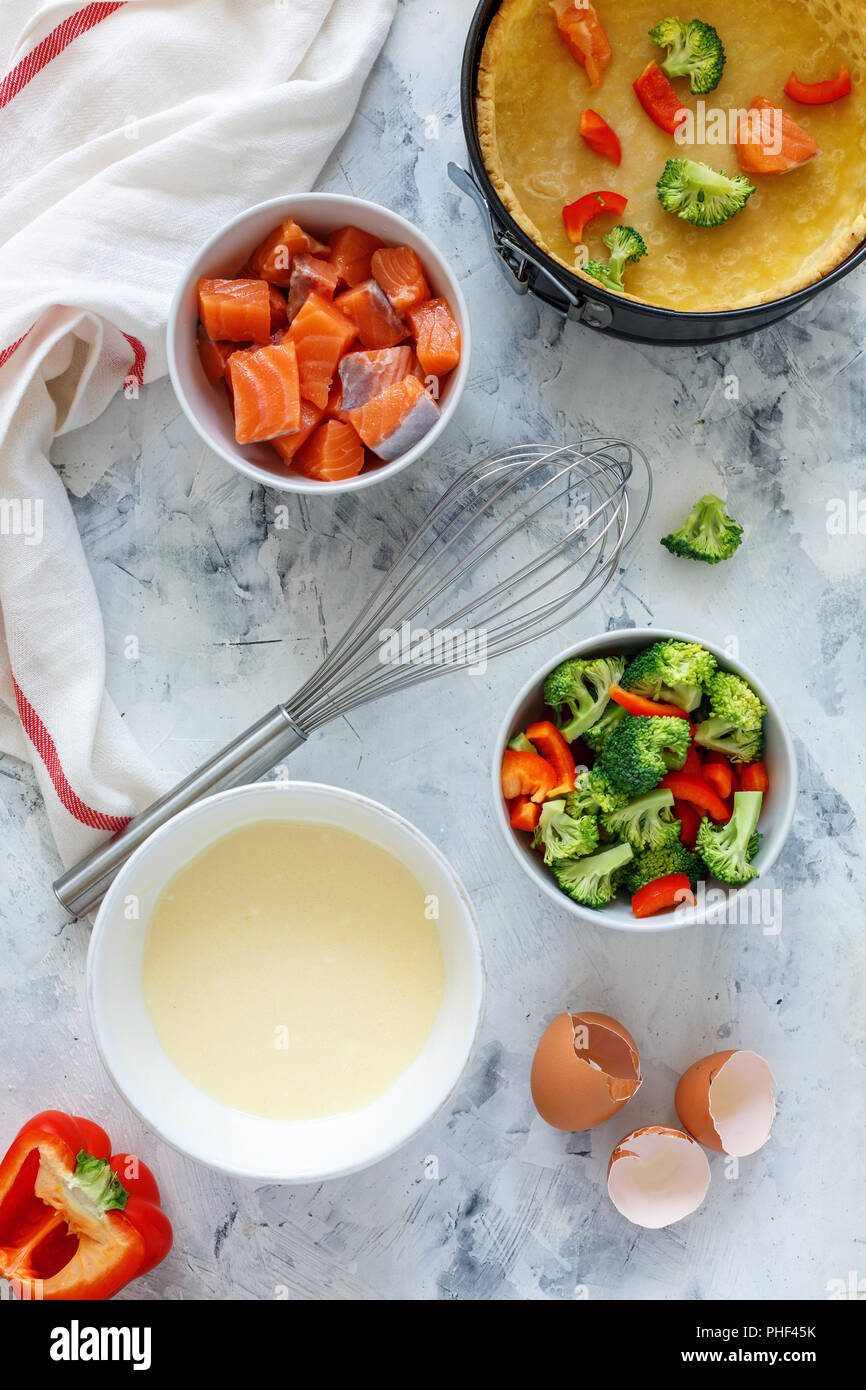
(97, 1179)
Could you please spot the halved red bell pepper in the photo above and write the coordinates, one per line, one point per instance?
(819, 93)
(576, 215)
(686, 787)
(524, 813)
(76, 1222)
(672, 890)
(753, 778)
(599, 136)
(581, 29)
(526, 774)
(689, 819)
(719, 777)
(554, 749)
(638, 704)
(659, 100)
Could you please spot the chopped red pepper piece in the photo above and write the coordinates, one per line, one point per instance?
(659, 100)
(599, 136)
(553, 747)
(75, 1221)
(524, 813)
(672, 890)
(693, 762)
(819, 93)
(581, 29)
(686, 787)
(719, 777)
(638, 704)
(576, 215)
(753, 778)
(689, 820)
(526, 774)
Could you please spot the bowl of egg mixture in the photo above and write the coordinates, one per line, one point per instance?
(286, 981)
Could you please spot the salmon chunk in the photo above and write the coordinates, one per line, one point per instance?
(310, 273)
(214, 357)
(272, 260)
(395, 419)
(287, 445)
(265, 391)
(437, 336)
(375, 321)
(332, 452)
(398, 271)
(321, 335)
(238, 311)
(365, 374)
(350, 252)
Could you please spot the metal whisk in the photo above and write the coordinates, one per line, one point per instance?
(517, 546)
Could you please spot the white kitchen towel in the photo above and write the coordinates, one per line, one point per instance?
(129, 132)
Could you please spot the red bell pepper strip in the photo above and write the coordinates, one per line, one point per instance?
(686, 787)
(524, 813)
(75, 1221)
(553, 747)
(693, 762)
(526, 774)
(659, 100)
(581, 29)
(638, 704)
(661, 894)
(689, 820)
(599, 136)
(753, 778)
(719, 777)
(576, 215)
(819, 93)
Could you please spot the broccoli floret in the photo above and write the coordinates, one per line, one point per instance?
(596, 737)
(593, 881)
(696, 52)
(670, 858)
(676, 673)
(593, 795)
(626, 245)
(563, 836)
(727, 849)
(707, 533)
(642, 748)
(700, 195)
(736, 723)
(581, 688)
(645, 822)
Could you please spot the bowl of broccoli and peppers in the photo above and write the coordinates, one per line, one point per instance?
(640, 770)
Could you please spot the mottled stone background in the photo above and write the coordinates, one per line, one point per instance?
(230, 613)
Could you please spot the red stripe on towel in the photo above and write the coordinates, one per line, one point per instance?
(61, 36)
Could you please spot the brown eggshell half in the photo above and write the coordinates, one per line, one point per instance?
(585, 1069)
(726, 1102)
(657, 1175)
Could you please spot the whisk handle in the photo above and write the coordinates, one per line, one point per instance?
(247, 758)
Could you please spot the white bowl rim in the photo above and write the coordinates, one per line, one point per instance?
(603, 916)
(107, 909)
(296, 483)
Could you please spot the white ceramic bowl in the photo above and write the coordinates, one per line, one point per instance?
(207, 409)
(777, 812)
(231, 1140)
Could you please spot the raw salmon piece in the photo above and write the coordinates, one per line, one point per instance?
(321, 335)
(437, 337)
(287, 445)
(265, 391)
(279, 312)
(583, 32)
(237, 310)
(395, 419)
(350, 252)
(365, 374)
(333, 410)
(769, 141)
(375, 321)
(332, 452)
(273, 259)
(214, 356)
(398, 271)
(310, 273)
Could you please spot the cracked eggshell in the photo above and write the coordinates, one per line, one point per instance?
(585, 1069)
(657, 1175)
(726, 1101)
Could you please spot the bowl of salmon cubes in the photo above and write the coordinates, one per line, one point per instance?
(319, 342)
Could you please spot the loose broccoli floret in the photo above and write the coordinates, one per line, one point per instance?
(593, 795)
(564, 836)
(596, 737)
(727, 849)
(707, 533)
(593, 881)
(736, 723)
(642, 748)
(700, 195)
(645, 822)
(670, 858)
(675, 673)
(696, 52)
(581, 688)
(626, 245)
